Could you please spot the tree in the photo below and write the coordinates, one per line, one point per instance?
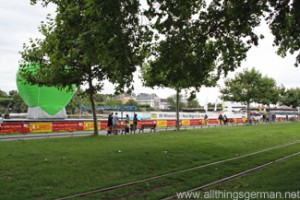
(79, 98)
(112, 102)
(284, 22)
(241, 17)
(195, 44)
(291, 97)
(193, 103)
(100, 98)
(3, 94)
(173, 103)
(86, 43)
(17, 104)
(131, 102)
(250, 86)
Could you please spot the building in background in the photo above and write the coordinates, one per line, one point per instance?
(149, 99)
(124, 98)
(164, 105)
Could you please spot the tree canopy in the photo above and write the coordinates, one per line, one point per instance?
(86, 43)
(250, 86)
(196, 43)
(193, 43)
(12, 102)
(291, 97)
(173, 104)
(284, 22)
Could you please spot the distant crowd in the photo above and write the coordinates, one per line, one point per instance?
(113, 123)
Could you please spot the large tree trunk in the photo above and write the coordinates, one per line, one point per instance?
(248, 112)
(91, 94)
(177, 110)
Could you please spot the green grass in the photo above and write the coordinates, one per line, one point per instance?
(47, 169)
(281, 177)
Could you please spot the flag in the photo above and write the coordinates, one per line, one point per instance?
(223, 105)
(216, 105)
(206, 105)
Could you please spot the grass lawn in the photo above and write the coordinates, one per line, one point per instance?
(52, 168)
(281, 178)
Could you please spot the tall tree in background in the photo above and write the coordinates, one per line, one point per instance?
(17, 104)
(12, 102)
(291, 97)
(284, 22)
(196, 43)
(175, 105)
(241, 17)
(250, 86)
(86, 43)
(132, 102)
(112, 102)
(192, 103)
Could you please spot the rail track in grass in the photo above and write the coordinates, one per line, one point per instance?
(238, 175)
(246, 172)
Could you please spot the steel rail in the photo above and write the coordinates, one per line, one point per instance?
(172, 173)
(238, 175)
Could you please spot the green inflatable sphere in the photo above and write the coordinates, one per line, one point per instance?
(49, 99)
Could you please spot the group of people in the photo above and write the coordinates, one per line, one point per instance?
(223, 119)
(113, 123)
(267, 118)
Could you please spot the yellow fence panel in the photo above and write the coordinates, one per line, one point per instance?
(244, 120)
(89, 126)
(40, 127)
(185, 122)
(161, 123)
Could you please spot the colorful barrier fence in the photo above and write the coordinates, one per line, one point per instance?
(12, 127)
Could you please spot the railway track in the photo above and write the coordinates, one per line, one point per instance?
(128, 184)
(238, 175)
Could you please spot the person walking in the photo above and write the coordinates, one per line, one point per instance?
(206, 119)
(220, 118)
(109, 123)
(115, 122)
(127, 123)
(225, 119)
(135, 122)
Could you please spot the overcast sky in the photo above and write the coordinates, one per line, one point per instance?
(19, 21)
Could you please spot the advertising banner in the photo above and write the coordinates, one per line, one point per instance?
(161, 123)
(67, 126)
(171, 123)
(172, 115)
(238, 120)
(147, 122)
(185, 122)
(195, 122)
(15, 127)
(103, 125)
(89, 126)
(36, 127)
(213, 121)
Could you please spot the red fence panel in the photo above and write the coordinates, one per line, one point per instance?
(14, 127)
(195, 122)
(171, 122)
(213, 121)
(103, 125)
(239, 120)
(143, 122)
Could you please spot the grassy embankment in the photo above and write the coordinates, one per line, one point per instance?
(47, 169)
